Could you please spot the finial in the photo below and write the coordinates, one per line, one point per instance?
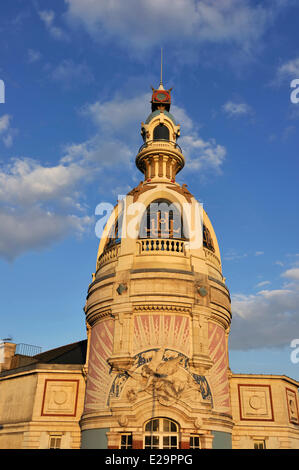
(161, 83)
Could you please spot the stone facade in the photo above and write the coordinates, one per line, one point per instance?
(41, 405)
(265, 411)
(158, 314)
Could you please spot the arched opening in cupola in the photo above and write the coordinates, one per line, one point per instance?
(162, 219)
(161, 132)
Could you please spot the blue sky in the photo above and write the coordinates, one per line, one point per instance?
(77, 80)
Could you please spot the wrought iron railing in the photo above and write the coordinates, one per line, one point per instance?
(149, 142)
(27, 349)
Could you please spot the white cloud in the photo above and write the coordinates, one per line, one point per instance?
(34, 195)
(71, 74)
(35, 229)
(233, 109)
(6, 131)
(232, 255)
(26, 181)
(116, 118)
(201, 154)
(149, 22)
(289, 69)
(4, 123)
(39, 205)
(48, 16)
(33, 56)
(258, 253)
(263, 283)
(119, 114)
(100, 152)
(292, 273)
(269, 318)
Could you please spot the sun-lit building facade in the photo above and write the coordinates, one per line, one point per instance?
(158, 314)
(154, 371)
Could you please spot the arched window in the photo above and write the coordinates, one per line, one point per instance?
(161, 132)
(114, 236)
(207, 239)
(162, 219)
(161, 433)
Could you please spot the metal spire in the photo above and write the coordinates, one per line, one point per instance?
(161, 87)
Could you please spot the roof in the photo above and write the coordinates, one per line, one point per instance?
(257, 376)
(74, 353)
(69, 354)
(157, 112)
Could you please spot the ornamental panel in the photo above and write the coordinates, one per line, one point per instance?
(160, 330)
(255, 402)
(292, 406)
(218, 372)
(99, 379)
(60, 397)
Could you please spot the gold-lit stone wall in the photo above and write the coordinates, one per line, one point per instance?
(40, 403)
(159, 318)
(265, 409)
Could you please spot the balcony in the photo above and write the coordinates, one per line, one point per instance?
(108, 255)
(160, 144)
(161, 246)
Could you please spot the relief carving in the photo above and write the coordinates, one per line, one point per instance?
(163, 374)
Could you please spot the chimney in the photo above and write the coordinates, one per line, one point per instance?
(7, 352)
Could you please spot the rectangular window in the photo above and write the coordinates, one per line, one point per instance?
(151, 442)
(169, 442)
(126, 441)
(259, 445)
(55, 442)
(194, 442)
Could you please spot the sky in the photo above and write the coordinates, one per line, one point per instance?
(78, 77)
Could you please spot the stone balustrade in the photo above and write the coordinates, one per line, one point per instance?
(161, 245)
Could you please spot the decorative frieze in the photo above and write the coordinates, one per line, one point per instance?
(159, 307)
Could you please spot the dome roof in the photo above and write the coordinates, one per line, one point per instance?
(157, 112)
(112, 226)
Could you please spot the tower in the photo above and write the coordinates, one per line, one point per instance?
(158, 312)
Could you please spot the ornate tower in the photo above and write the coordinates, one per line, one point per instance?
(158, 312)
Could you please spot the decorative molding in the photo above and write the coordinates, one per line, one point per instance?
(255, 402)
(60, 397)
(93, 317)
(183, 191)
(141, 188)
(220, 298)
(218, 282)
(172, 308)
(100, 279)
(292, 406)
(161, 270)
(109, 254)
(123, 421)
(210, 256)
